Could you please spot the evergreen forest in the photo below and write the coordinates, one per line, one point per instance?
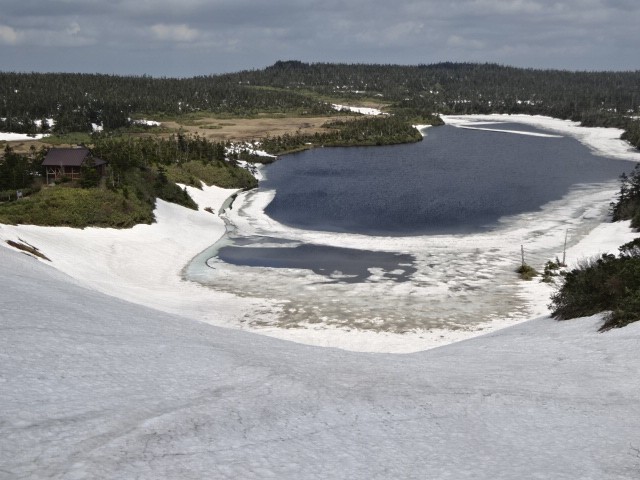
(75, 101)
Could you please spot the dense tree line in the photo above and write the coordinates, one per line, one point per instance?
(381, 130)
(463, 87)
(627, 204)
(132, 154)
(75, 101)
(16, 171)
(632, 133)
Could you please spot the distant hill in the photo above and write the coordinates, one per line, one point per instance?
(75, 101)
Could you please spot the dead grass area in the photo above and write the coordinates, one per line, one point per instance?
(243, 129)
(222, 129)
(22, 146)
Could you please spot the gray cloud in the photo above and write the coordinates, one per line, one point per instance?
(187, 37)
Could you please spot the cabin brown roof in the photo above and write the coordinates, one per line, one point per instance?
(69, 157)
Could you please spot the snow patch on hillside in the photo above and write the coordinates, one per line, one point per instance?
(361, 110)
(14, 137)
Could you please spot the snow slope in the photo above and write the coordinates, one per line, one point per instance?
(94, 387)
(143, 264)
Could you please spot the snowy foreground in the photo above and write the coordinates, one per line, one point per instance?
(95, 384)
(96, 387)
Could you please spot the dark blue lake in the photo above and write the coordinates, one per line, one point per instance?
(454, 181)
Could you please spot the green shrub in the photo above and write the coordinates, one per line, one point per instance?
(609, 283)
(77, 207)
(625, 313)
(527, 272)
(219, 173)
(551, 270)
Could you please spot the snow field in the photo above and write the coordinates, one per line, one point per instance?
(96, 387)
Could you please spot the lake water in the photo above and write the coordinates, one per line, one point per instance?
(409, 237)
(454, 181)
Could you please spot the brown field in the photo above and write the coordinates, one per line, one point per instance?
(219, 129)
(240, 129)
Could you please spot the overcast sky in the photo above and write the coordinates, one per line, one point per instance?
(195, 37)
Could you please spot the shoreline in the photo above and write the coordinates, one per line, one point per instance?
(143, 265)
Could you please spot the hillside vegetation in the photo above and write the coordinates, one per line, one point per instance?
(140, 170)
(79, 208)
(611, 282)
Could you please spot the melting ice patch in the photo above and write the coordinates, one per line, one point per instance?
(518, 132)
(450, 281)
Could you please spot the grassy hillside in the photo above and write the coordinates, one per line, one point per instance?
(78, 207)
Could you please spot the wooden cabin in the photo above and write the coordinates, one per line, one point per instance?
(68, 162)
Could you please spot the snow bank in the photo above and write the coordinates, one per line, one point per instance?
(252, 148)
(143, 264)
(602, 141)
(422, 129)
(362, 110)
(148, 123)
(14, 137)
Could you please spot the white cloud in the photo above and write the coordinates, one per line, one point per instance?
(42, 35)
(175, 33)
(508, 7)
(73, 28)
(8, 35)
(456, 41)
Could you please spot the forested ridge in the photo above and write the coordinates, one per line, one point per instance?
(75, 101)
(461, 87)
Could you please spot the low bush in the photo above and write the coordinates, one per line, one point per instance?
(527, 272)
(552, 270)
(219, 173)
(609, 283)
(78, 207)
